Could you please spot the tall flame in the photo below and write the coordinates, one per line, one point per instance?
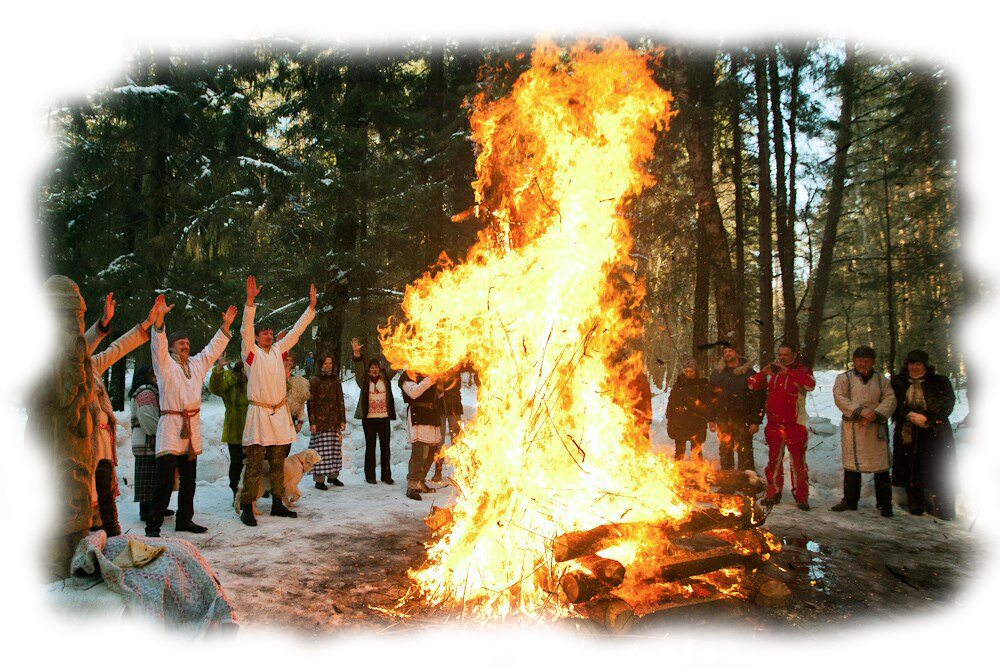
(545, 308)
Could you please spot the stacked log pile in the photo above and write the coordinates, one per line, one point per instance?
(723, 531)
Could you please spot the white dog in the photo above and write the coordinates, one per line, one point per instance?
(296, 467)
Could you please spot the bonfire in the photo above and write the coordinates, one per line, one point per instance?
(562, 507)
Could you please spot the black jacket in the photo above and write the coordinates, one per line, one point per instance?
(688, 409)
(732, 399)
(928, 461)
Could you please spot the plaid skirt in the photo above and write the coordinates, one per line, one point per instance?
(145, 478)
(327, 445)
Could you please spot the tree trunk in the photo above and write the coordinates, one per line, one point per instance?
(890, 280)
(697, 83)
(699, 321)
(740, 231)
(786, 240)
(964, 122)
(836, 200)
(765, 276)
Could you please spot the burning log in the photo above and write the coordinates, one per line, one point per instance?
(581, 543)
(701, 562)
(607, 570)
(611, 612)
(599, 577)
(577, 633)
(694, 611)
(582, 586)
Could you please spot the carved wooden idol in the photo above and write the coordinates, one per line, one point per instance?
(57, 388)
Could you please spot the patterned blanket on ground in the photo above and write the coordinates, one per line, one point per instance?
(178, 589)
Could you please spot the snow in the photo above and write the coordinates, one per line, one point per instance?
(260, 164)
(213, 497)
(159, 89)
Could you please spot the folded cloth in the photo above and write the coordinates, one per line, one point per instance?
(137, 554)
(176, 589)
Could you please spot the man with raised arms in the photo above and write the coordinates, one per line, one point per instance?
(268, 431)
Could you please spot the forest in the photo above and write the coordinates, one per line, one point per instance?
(805, 192)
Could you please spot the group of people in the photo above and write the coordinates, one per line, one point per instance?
(734, 400)
(266, 406)
(165, 402)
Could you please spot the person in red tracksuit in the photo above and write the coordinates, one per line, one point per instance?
(786, 381)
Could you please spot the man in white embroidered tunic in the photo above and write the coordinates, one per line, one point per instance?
(181, 379)
(268, 431)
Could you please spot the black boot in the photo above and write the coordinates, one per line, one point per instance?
(246, 515)
(190, 527)
(104, 477)
(278, 508)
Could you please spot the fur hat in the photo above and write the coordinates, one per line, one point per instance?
(64, 294)
(690, 363)
(917, 356)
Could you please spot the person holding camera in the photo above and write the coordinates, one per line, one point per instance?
(786, 381)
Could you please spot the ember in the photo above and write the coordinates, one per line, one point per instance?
(561, 500)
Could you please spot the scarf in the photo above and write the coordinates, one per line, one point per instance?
(915, 401)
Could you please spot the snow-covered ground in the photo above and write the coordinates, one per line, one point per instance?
(373, 505)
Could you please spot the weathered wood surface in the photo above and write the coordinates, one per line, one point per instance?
(686, 565)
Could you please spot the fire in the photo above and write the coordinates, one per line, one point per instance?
(545, 308)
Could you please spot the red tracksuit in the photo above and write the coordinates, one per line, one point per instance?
(786, 427)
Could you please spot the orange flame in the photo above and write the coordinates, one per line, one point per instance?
(545, 308)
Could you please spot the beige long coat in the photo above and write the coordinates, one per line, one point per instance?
(864, 447)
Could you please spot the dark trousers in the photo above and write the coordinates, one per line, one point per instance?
(168, 465)
(735, 438)
(235, 464)
(681, 445)
(852, 489)
(944, 501)
(377, 427)
(421, 460)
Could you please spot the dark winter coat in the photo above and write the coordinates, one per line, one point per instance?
(361, 377)
(326, 403)
(688, 409)
(732, 399)
(426, 409)
(928, 461)
(451, 397)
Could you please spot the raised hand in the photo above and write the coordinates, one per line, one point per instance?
(312, 296)
(109, 309)
(252, 289)
(160, 308)
(356, 347)
(228, 317)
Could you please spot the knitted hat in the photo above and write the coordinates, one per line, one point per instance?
(63, 293)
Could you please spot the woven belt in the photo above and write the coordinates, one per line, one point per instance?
(272, 408)
(186, 416)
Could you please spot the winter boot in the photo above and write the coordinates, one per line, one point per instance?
(278, 508)
(886, 511)
(335, 481)
(804, 507)
(190, 527)
(246, 515)
(104, 478)
(843, 506)
(322, 487)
